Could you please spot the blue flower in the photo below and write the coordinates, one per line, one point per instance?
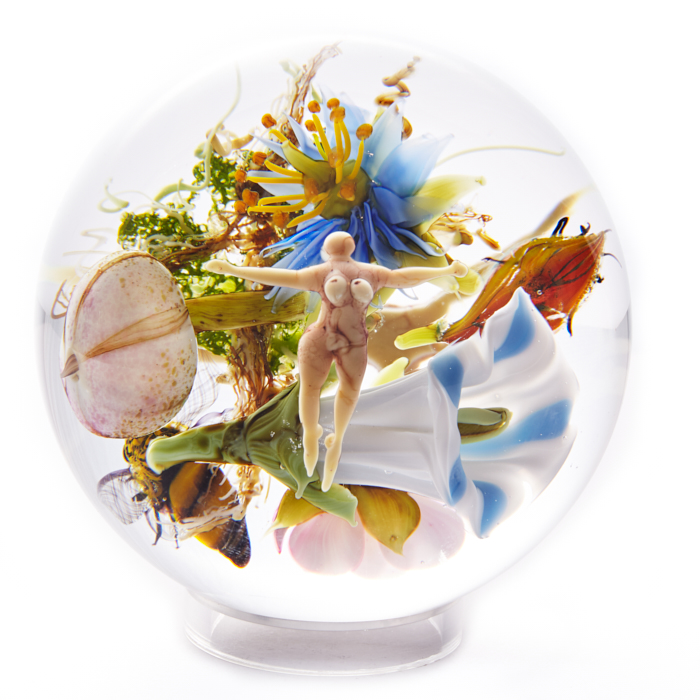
(348, 175)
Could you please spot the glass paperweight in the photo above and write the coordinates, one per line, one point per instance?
(332, 338)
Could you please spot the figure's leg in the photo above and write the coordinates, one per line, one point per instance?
(313, 372)
(351, 365)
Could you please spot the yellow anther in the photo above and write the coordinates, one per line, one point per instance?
(314, 106)
(332, 103)
(268, 121)
(240, 175)
(239, 207)
(364, 131)
(348, 190)
(337, 114)
(407, 129)
(310, 126)
(280, 219)
(259, 158)
(249, 197)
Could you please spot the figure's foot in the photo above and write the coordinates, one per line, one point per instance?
(330, 463)
(311, 438)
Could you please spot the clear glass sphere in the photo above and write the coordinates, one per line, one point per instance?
(513, 203)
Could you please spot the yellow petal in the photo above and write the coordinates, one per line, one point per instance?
(390, 516)
(242, 309)
(293, 511)
(393, 371)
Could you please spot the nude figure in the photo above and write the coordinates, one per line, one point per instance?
(340, 333)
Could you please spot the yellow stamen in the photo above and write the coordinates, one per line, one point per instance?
(322, 135)
(358, 162)
(314, 106)
(279, 135)
(332, 103)
(305, 217)
(239, 207)
(280, 198)
(348, 145)
(276, 180)
(282, 171)
(287, 207)
(259, 158)
(310, 126)
(240, 175)
(319, 147)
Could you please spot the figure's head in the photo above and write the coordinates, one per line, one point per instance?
(338, 245)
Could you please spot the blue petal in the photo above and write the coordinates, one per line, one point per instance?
(303, 234)
(457, 482)
(383, 253)
(305, 255)
(396, 234)
(274, 146)
(447, 368)
(306, 143)
(495, 501)
(385, 138)
(407, 168)
(357, 231)
(520, 334)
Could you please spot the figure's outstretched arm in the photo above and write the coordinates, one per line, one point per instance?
(273, 276)
(411, 276)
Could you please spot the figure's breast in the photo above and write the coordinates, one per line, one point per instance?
(341, 291)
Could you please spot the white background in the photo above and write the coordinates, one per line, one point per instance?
(606, 606)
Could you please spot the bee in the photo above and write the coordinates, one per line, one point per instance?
(192, 499)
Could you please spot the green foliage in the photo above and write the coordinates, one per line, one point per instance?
(194, 281)
(222, 183)
(159, 234)
(218, 342)
(284, 345)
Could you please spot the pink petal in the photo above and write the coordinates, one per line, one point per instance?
(439, 536)
(374, 565)
(279, 538)
(327, 544)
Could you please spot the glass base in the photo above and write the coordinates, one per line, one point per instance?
(322, 649)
